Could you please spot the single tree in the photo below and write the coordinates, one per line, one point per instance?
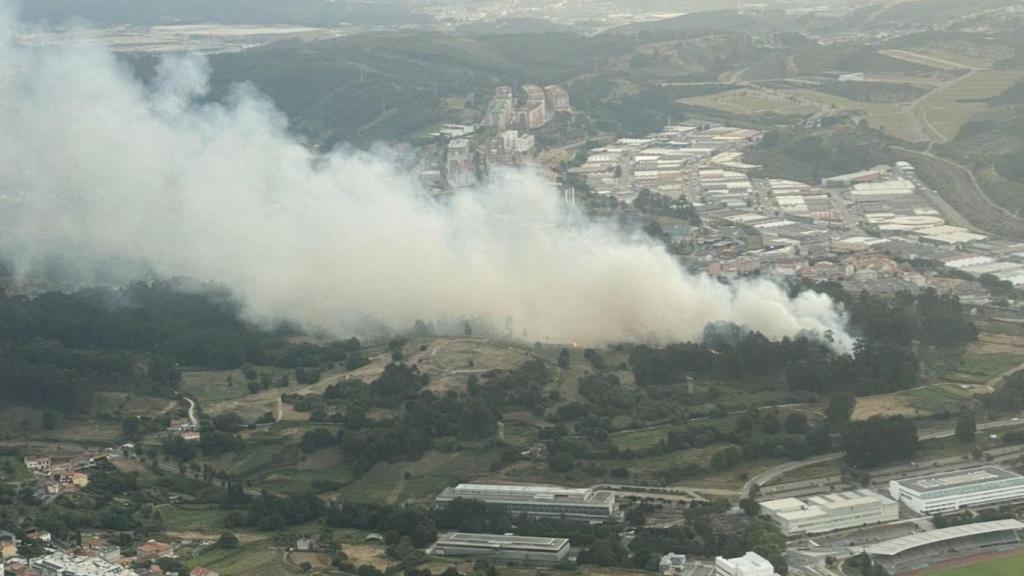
(966, 427)
(840, 409)
(227, 540)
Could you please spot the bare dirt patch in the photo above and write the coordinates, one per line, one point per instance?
(989, 343)
(451, 361)
(883, 405)
(316, 560)
(321, 460)
(360, 554)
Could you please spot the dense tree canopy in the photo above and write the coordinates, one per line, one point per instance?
(879, 440)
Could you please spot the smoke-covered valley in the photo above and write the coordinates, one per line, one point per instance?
(97, 166)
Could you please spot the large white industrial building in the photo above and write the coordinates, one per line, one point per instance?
(60, 564)
(831, 512)
(950, 491)
(750, 564)
(510, 548)
(571, 503)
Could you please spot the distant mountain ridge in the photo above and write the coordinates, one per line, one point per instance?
(155, 12)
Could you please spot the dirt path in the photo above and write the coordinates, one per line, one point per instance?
(192, 412)
(392, 497)
(916, 58)
(924, 129)
(998, 378)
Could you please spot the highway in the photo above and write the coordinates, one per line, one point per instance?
(966, 195)
(770, 474)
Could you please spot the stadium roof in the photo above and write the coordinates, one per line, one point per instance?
(900, 545)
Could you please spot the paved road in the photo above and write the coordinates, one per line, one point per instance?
(685, 493)
(772, 473)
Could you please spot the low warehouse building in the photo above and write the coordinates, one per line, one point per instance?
(950, 491)
(831, 512)
(750, 564)
(508, 548)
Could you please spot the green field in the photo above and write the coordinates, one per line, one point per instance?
(888, 117)
(213, 386)
(183, 518)
(426, 477)
(12, 469)
(947, 109)
(749, 102)
(935, 399)
(1010, 566)
(978, 369)
(255, 561)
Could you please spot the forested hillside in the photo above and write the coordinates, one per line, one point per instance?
(58, 349)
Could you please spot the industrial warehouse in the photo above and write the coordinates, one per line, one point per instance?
(951, 491)
(508, 548)
(830, 512)
(571, 503)
(919, 551)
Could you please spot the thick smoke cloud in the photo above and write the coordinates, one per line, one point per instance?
(102, 166)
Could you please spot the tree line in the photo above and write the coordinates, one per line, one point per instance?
(57, 349)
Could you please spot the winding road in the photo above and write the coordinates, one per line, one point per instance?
(192, 412)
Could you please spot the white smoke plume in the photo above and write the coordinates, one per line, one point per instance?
(105, 166)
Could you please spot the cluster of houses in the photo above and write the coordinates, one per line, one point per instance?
(184, 428)
(60, 476)
(96, 556)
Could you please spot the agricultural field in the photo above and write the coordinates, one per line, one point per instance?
(751, 102)
(918, 402)
(982, 369)
(982, 364)
(947, 109)
(888, 117)
(250, 561)
(90, 431)
(420, 480)
(185, 517)
(214, 385)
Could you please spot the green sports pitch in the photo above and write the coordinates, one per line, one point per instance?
(1007, 566)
